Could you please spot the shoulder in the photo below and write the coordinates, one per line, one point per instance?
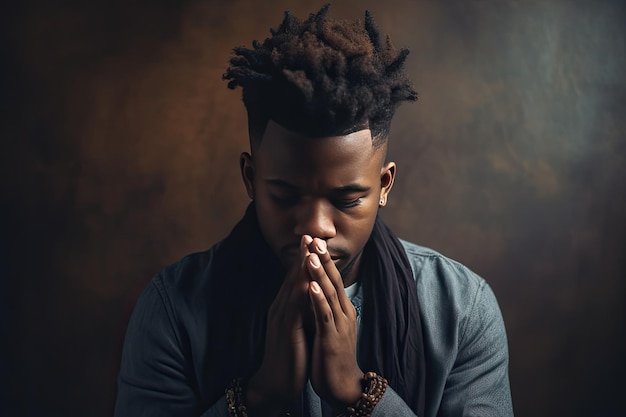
(182, 286)
(453, 299)
(432, 271)
(190, 271)
(190, 265)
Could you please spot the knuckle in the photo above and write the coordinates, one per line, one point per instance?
(352, 315)
(326, 317)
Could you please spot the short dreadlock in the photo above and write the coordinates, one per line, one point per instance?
(322, 77)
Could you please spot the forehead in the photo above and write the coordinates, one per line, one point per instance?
(284, 151)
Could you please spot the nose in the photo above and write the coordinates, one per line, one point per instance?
(315, 218)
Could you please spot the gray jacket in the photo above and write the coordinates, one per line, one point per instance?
(465, 349)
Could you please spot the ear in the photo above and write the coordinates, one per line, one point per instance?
(387, 176)
(246, 165)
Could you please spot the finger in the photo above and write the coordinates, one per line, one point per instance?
(318, 274)
(303, 270)
(305, 242)
(295, 276)
(300, 281)
(324, 320)
(320, 248)
(294, 288)
(298, 276)
(299, 265)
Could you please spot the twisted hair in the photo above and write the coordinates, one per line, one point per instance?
(322, 77)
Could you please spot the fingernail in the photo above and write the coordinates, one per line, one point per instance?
(315, 287)
(307, 240)
(321, 246)
(315, 261)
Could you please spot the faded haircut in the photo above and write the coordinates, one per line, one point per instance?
(322, 77)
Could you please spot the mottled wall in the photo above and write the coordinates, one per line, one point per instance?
(120, 147)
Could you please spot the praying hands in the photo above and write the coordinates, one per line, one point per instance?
(328, 358)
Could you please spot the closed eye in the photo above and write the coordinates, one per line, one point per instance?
(343, 204)
(285, 201)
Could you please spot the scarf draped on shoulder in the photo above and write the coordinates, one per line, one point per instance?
(247, 276)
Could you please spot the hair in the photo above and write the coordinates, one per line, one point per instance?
(322, 77)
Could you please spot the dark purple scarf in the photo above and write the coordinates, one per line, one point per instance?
(247, 275)
(391, 329)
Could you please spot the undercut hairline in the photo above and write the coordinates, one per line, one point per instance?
(255, 136)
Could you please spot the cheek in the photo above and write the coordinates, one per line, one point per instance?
(357, 229)
(274, 222)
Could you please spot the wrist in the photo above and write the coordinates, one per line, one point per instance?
(373, 389)
(260, 401)
(350, 394)
(241, 401)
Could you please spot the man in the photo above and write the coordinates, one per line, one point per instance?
(312, 306)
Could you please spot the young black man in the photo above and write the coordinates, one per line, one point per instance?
(312, 306)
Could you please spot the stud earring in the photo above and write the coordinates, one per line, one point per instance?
(382, 201)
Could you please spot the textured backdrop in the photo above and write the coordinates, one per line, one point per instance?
(120, 147)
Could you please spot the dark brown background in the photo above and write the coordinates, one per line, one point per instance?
(120, 155)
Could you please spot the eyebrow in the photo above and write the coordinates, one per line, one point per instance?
(349, 188)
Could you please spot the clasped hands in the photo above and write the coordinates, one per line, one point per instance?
(328, 358)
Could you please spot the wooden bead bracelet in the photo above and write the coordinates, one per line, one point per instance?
(374, 387)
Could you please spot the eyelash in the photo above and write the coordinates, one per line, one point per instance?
(349, 204)
(289, 201)
(284, 202)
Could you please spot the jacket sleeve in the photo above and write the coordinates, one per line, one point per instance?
(392, 405)
(478, 384)
(155, 377)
